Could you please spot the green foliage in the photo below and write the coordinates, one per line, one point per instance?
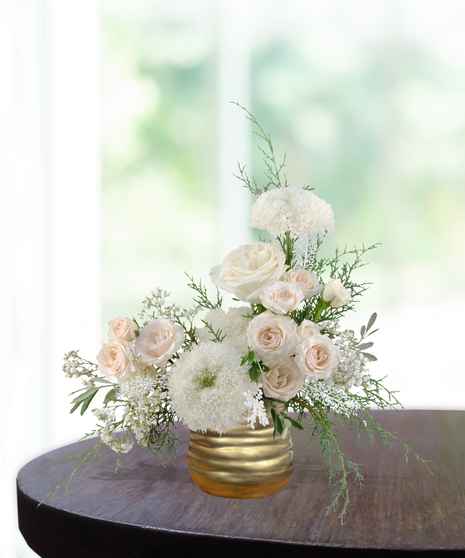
(256, 366)
(337, 267)
(84, 456)
(111, 396)
(218, 335)
(321, 421)
(85, 398)
(164, 439)
(293, 422)
(202, 296)
(273, 168)
(364, 333)
(277, 421)
(255, 371)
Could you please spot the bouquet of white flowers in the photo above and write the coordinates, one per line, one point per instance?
(281, 358)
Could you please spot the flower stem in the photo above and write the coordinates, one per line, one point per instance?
(320, 307)
(289, 245)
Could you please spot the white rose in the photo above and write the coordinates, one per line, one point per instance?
(247, 270)
(158, 341)
(335, 293)
(115, 360)
(281, 297)
(272, 337)
(307, 329)
(283, 380)
(306, 280)
(122, 328)
(318, 357)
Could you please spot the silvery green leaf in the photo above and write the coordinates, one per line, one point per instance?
(87, 403)
(365, 346)
(371, 358)
(294, 423)
(85, 395)
(372, 320)
(75, 406)
(110, 396)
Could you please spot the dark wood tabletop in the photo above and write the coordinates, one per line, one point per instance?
(146, 510)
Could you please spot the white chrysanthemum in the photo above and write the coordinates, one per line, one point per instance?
(207, 386)
(292, 210)
(233, 324)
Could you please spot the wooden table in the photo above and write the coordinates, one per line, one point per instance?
(147, 510)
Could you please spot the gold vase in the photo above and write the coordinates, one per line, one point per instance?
(241, 463)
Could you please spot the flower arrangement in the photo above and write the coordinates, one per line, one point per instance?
(280, 355)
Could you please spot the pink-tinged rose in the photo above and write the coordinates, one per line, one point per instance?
(283, 380)
(335, 293)
(158, 341)
(272, 337)
(306, 280)
(122, 328)
(247, 270)
(281, 297)
(307, 329)
(318, 357)
(115, 360)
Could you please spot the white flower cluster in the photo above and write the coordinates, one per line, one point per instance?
(144, 401)
(157, 302)
(333, 397)
(256, 407)
(292, 210)
(76, 367)
(121, 444)
(232, 323)
(352, 369)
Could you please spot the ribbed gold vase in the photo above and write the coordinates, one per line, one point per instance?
(241, 463)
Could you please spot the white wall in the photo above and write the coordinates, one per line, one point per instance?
(49, 219)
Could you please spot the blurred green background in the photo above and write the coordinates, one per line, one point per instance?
(367, 99)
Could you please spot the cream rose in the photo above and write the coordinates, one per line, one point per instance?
(272, 337)
(318, 357)
(122, 328)
(283, 380)
(306, 280)
(307, 329)
(115, 360)
(247, 270)
(158, 341)
(335, 293)
(281, 297)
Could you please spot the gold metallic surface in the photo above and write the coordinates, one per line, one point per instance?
(241, 463)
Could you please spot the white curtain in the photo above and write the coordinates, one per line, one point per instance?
(49, 219)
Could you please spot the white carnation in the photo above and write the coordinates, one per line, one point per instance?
(292, 210)
(207, 387)
(233, 324)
